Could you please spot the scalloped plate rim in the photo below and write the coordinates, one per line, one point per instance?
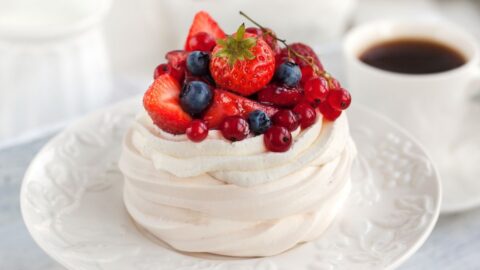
(396, 263)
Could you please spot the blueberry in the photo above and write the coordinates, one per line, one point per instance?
(289, 74)
(195, 97)
(259, 122)
(198, 63)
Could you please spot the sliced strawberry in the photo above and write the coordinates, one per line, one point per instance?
(203, 22)
(228, 104)
(162, 104)
(280, 96)
(233, 68)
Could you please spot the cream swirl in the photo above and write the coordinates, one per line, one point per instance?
(237, 198)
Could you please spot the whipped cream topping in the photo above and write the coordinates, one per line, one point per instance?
(236, 199)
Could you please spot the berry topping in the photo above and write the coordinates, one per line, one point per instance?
(161, 101)
(306, 52)
(254, 30)
(228, 104)
(286, 119)
(160, 70)
(242, 63)
(307, 73)
(334, 83)
(306, 114)
(328, 112)
(316, 90)
(225, 82)
(281, 96)
(277, 139)
(177, 61)
(197, 130)
(259, 122)
(203, 22)
(269, 37)
(195, 97)
(201, 41)
(234, 128)
(198, 63)
(339, 99)
(288, 73)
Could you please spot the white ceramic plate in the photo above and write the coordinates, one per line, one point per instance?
(71, 201)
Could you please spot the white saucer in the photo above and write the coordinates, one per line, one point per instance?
(460, 175)
(72, 205)
(461, 171)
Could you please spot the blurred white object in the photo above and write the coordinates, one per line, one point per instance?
(53, 63)
(433, 107)
(309, 21)
(374, 10)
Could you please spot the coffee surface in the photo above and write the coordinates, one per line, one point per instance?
(413, 56)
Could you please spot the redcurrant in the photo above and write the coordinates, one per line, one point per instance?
(277, 139)
(234, 128)
(306, 114)
(197, 130)
(286, 119)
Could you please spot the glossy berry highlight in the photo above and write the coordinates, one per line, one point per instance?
(306, 114)
(160, 70)
(277, 139)
(177, 61)
(280, 96)
(307, 73)
(201, 41)
(197, 131)
(328, 112)
(339, 99)
(287, 119)
(234, 128)
(316, 90)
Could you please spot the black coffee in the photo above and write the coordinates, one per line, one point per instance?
(413, 56)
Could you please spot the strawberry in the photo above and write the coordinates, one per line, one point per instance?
(177, 61)
(242, 63)
(280, 95)
(203, 22)
(161, 101)
(305, 50)
(229, 104)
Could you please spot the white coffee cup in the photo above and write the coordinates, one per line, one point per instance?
(431, 105)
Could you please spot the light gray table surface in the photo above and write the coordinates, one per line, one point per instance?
(454, 243)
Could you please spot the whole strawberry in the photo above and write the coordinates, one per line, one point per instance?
(242, 63)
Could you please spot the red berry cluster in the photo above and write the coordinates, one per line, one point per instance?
(259, 89)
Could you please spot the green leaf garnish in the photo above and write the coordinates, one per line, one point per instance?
(237, 47)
